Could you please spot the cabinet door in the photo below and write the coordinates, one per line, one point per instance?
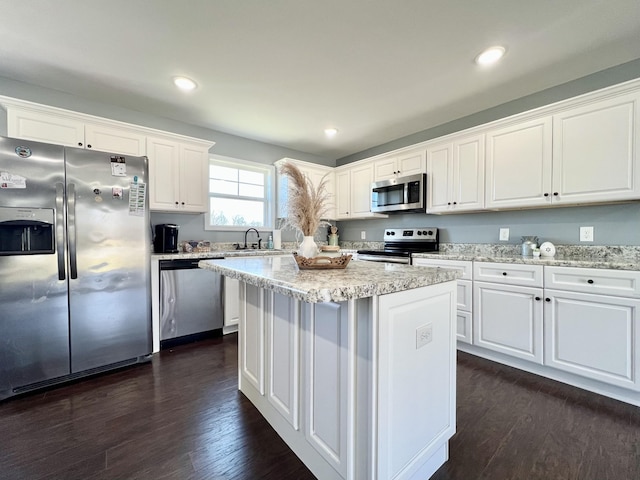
(464, 327)
(468, 174)
(343, 194)
(508, 319)
(519, 165)
(106, 138)
(595, 336)
(385, 169)
(194, 175)
(411, 163)
(595, 155)
(361, 180)
(439, 178)
(43, 127)
(164, 171)
(231, 301)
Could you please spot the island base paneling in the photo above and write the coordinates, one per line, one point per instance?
(347, 385)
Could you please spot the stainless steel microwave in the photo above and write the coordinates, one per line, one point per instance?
(402, 194)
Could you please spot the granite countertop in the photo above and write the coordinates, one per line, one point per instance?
(583, 259)
(359, 280)
(220, 253)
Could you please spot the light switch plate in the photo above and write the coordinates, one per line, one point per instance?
(504, 234)
(424, 335)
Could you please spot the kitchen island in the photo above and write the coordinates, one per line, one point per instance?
(354, 368)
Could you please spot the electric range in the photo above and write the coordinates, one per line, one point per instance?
(401, 243)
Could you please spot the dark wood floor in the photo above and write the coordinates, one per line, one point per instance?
(181, 417)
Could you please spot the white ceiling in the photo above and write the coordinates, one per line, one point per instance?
(281, 71)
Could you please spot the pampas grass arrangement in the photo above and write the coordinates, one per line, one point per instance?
(307, 204)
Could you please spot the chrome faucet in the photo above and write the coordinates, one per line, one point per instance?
(245, 239)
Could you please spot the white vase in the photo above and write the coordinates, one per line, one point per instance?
(308, 247)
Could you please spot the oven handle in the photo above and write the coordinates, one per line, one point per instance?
(382, 258)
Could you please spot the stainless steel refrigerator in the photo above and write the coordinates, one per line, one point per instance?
(75, 243)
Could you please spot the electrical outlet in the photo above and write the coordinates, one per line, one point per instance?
(504, 234)
(586, 234)
(424, 335)
(363, 235)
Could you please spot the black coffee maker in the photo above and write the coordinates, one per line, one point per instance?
(166, 239)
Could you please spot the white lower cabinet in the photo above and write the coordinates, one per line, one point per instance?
(594, 336)
(582, 328)
(508, 319)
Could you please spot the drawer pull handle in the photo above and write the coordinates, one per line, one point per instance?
(504, 273)
(589, 281)
(538, 299)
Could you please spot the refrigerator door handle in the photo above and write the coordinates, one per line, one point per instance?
(71, 229)
(60, 229)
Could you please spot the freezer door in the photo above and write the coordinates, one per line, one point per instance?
(109, 258)
(34, 325)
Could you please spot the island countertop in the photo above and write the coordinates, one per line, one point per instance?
(358, 280)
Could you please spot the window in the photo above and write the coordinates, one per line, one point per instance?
(240, 194)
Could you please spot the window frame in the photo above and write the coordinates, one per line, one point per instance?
(269, 199)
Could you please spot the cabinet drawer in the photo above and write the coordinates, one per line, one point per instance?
(623, 283)
(465, 266)
(509, 273)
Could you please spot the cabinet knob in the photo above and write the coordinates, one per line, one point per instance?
(79, 144)
(182, 203)
(176, 203)
(398, 171)
(88, 146)
(589, 281)
(448, 203)
(546, 194)
(547, 299)
(555, 194)
(455, 203)
(504, 273)
(538, 299)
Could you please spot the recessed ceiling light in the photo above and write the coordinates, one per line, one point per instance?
(490, 55)
(330, 132)
(184, 83)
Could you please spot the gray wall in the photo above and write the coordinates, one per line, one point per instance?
(613, 225)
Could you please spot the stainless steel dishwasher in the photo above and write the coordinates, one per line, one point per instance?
(191, 305)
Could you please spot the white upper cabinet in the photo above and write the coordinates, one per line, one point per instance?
(518, 165)
(353, 191)
(400, 165)
(594, 159)
(455, 175)
(316, 174)
(112, 139)
(73, 132)
(178, 173)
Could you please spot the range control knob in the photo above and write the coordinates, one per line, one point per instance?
(419, 232)
(430, 232)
